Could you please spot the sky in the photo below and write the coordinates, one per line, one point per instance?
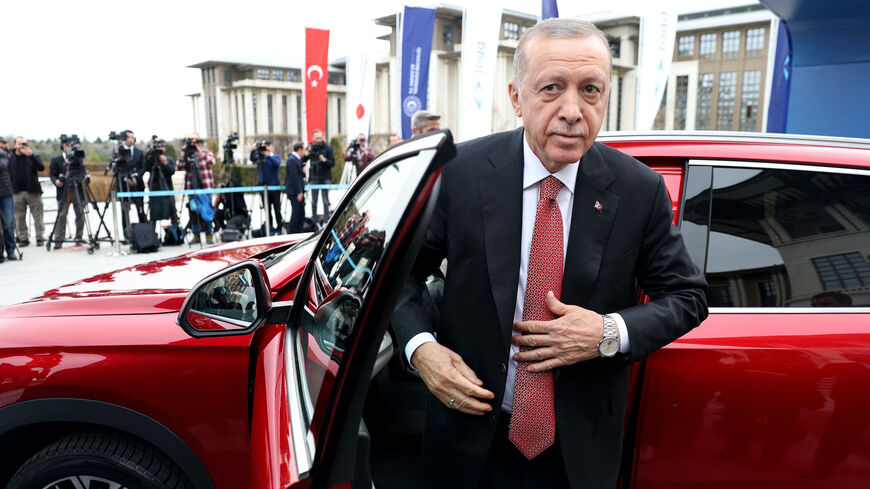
(95, 66)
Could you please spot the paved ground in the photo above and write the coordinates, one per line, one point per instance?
(41, 270)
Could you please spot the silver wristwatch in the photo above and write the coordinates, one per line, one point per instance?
(609, 344)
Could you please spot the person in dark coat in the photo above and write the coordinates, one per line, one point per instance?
(7, 225)
(294, 187)
(161, 168)
(69, 191)
(24, 166)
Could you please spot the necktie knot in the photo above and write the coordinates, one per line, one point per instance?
(550, 187)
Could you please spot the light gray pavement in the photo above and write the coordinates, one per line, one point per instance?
(42, 270)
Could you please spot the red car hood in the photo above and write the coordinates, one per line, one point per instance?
(154, 287)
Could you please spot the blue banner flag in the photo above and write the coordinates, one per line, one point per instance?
(549, 9)
(417, 26)
(777, 109)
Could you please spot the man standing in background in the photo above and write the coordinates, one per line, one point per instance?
(294, 187)
(8, 228)
(24, 166)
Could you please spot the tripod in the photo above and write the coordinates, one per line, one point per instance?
(78, 193)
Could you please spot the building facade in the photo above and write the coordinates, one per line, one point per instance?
(718, 80)
(261, 101)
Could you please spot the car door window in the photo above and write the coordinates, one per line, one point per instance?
(343, 272)
(782, 236)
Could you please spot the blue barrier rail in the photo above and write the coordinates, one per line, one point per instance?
(227, 190)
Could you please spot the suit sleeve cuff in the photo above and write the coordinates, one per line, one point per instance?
(624, 344)
(415, 343)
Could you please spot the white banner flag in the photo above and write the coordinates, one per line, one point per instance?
(480, 29)
(360, 87)
(658, 29)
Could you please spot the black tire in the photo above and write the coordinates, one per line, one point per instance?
(106, 459)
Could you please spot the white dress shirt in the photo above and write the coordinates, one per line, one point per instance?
(533, 173)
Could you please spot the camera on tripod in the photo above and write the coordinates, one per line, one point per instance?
(189, 148)
(153, 151)
(75, 156)
(263, 145)
(229, 146)
(120, 163)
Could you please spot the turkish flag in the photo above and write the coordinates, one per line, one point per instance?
(316, 76)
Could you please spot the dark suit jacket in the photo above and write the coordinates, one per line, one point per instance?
(294, 181)
(477, 227)
(56, 166)
(137, 167)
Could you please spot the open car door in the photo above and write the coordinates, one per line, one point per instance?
(313, 367)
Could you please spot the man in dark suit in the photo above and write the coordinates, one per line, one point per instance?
(548, 236)
(69, 191)
(294, 187)
(134, 182)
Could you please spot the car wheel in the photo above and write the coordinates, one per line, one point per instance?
(98, 460)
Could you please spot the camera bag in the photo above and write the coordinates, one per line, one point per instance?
(144, 238)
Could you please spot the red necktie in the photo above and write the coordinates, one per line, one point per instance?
(533, 422)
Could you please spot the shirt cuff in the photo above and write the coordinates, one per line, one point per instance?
(624, 345)
(415, 343)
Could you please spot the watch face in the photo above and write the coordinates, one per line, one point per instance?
(608, 347)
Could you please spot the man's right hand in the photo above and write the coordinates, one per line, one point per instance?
(448, 377)
(58, 183)
(299, 197)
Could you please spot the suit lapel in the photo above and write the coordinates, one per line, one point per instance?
(591, 221)
(501, 203)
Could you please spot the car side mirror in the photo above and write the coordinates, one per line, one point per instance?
(334, 319)
(233, 301)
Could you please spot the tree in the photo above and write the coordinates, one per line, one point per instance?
(94, 156)
(170, 151)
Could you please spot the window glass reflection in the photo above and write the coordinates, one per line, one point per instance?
(787, 238)
(230, 296)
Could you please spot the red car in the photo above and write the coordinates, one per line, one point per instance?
(269, 363)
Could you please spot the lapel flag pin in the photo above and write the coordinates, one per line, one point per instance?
(598, 206)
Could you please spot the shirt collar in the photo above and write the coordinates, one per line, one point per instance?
(534, 171)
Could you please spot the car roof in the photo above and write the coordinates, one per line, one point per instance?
(792, 148)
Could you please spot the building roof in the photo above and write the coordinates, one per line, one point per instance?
(297, 62)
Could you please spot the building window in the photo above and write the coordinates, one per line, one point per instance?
(269, 113)
(686, 46)
(659, 122)
(681, 101)
(237, 112)
(254, 105)
(262, 74)
(725, 106)
(708, 46)
(705, 101)
(244, 117)
(293, 75)
(284, 114)
(767, 293)
(619, 105)
(278, 75)
(447, 35)
(614, 47)
(755, 41)
(299, 117)
(511, 30)
(338, 107)
(720, 296)
(843, 271)
(228, 76)
(749, 100)
(336, 79)
(730, 44)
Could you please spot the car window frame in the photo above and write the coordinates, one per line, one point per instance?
(769, 165)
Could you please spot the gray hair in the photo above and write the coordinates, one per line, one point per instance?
(554, 29)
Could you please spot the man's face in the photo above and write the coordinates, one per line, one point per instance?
(318, 136)
(562, 97)
(361, 139)
(4, 145)
(18, 143)
(130, 140)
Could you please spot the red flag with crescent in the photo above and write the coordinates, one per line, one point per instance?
(316, 76)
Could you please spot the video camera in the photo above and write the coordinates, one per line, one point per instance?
(120, 163)
(75, 155)
(153, 151)
(229, 146)
(316, 149)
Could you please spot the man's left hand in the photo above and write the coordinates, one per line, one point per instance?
(571, 337)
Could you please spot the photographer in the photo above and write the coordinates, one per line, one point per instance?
(161, 168)
(322, 160)
(23, 168)
(68, 183)
(268, 164)
(358, 153)
(197, 163)
(7, 243)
